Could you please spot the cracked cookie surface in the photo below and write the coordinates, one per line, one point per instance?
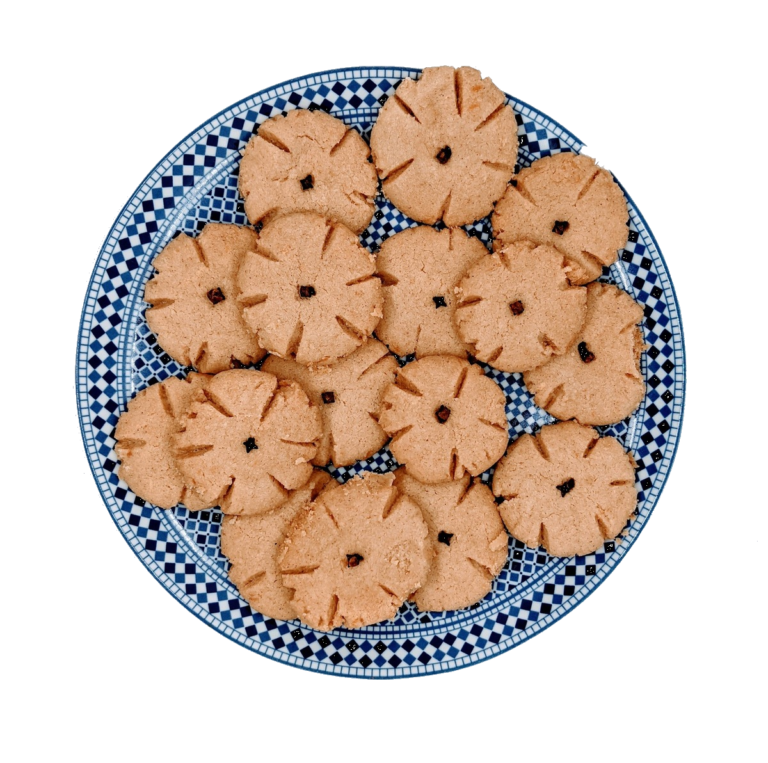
(445, 146)
(445, 417)
(598, 381)
(144, 436)
(566, 489)
(194, 311)
(253, 544)
(248, 440)
(348, 394)
(308, 161)
(355, 554)
(568, 202)
(420, 269)
(468, 538)
(309, 290)
(516, 308)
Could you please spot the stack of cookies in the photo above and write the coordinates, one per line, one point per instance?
(330, 317)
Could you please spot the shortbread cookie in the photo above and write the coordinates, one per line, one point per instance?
(420, 269)
(516, 308)
(468, 538)
(356, 554)
(308, 161)
(248, 441)
(566, 489)
(308, 289)
(194, 312)
(598, 380)
(348, 394)
(144, 436)
(253, 544)
(446, 419)
(445, 146)
(568, 202)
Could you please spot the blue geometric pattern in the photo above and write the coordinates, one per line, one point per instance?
(118, 355)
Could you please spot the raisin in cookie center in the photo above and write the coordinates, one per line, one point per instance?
(585, 354)
(215, 296)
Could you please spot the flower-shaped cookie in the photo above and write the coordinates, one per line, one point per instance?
(568, 202)
(248, 441)
(253, 544)
(517, 309)
(348, 394)
(445, 417)
(356, 554)
(308, 161)
(420, 269)
(194, 312)
(144, 444)
(308, 290)
(445, 146)
(566, 489)
(468, 537)
(598, 380)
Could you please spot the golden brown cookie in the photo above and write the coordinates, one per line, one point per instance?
(356, 554)
(445, 146)
(445, 417)
(248, 441)
(308, 289)
(568, 202)
(253, 544)
(566, 489)
(598, 380)
(348, 394)
(420, 269)
(468, 538)
(308, 161)
(516, 308)
(194, 312)
(144, 444)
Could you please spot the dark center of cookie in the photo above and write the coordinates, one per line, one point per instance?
(353, 560)
(566, 487)
(328, 398)
(250, 444)
(439, 302)
(306, 292)
(585, 354)
(444, 154)
(516, 307)
(560, 227)
(442, 414)
(308, 182)
(444, 537)
(216, 296)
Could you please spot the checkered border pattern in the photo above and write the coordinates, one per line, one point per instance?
(117, 355)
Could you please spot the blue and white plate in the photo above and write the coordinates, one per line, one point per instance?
(118, 355)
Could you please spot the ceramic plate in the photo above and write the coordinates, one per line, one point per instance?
(118, 355)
